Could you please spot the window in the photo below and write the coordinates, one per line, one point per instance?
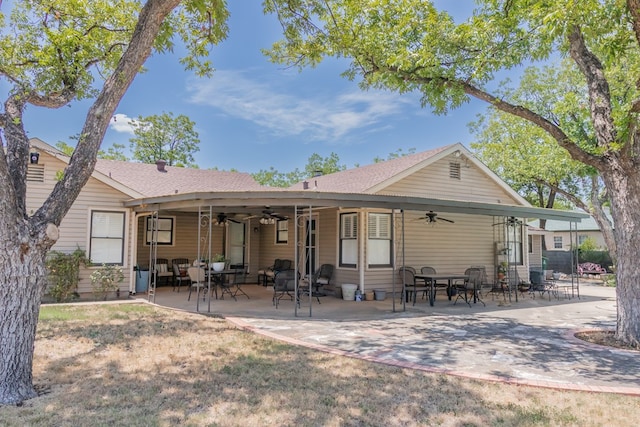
(530, 243)
(515, 242)
(106, 245)
(582, 238)
(557, 242)
(348, 240)
(379, 241)
(236, 236)
(164, 231)
(282, 231)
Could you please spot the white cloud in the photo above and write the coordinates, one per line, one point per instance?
(323, 117)
(121, 123)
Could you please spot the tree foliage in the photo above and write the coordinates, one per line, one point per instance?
(529, 160)
(53, 53)
(316, 165)
(410, 45)
(165, 137)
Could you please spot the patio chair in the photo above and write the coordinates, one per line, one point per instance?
(163, 272)
(267, 274)
(197, 275)
(179, 267)
(284, 283)
(240, 278)
(469, 288)
(408, 280)
(436, 285)
(321, 278)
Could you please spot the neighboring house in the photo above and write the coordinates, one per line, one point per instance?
(365, 221)
(559, 236)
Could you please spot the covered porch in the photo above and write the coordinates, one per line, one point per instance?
(313, 234)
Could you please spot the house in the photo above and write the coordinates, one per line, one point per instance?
(559, 233)
(441, 207)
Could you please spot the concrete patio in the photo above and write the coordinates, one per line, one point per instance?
(526, 342)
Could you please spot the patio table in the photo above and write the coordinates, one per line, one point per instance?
(432, 278)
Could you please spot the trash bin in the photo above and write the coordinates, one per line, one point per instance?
(536, 277)
(142, 279)
(349, 291)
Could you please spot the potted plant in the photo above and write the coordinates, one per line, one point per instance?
(502, 270)
(218, 262)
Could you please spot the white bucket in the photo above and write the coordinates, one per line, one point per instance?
(349, 291)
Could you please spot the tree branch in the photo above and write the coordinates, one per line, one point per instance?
(82, 162)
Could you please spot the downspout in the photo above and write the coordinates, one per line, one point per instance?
(362, 252)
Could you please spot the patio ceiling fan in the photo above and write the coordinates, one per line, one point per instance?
(431, 218)
(511, 221)
(268, 216)
(221, 219)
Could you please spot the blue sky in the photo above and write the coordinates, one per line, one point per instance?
(252, 114)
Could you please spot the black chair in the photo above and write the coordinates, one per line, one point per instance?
(267, 274)
(436, 285)
(410, 286)
(179, 267)
(321, 278)
(232, 281)
(469, 288)
(284, 283)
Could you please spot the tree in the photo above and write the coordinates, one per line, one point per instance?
(529, 160)
(51, 53)
(115, 152)
(165, 137)
(316, 164)
(410, 45)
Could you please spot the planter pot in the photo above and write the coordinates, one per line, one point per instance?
(556, 276)
(380, 295)
(349, 291)
(369, 295)
(218, 266)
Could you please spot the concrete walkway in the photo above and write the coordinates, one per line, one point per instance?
(529, 342)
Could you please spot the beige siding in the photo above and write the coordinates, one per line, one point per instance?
(74, 227)
(433, 181)
(566, 239)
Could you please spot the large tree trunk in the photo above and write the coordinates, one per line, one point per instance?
(22, 279)
(625, 207)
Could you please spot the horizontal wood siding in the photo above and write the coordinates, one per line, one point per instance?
(433, 181)
(74, 228)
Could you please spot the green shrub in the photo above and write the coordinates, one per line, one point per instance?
(64, 270)
(106, 279)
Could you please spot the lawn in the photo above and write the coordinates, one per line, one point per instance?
(139, 365)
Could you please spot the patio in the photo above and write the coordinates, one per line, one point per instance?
(529, 342)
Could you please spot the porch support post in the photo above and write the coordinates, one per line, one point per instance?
(573, 231)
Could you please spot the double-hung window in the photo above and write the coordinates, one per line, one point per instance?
(282, 231)
(106, 244)
(379, 241)
(348, 240)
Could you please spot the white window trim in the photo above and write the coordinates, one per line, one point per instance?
(275, 237)
(356, 215)
(126, 240)
(380, 267)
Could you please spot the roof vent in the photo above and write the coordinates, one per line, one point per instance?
(161, 164)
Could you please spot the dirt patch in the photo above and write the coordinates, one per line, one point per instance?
(605, 338)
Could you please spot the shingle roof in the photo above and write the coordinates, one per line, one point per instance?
(148, 180)
(362, 179)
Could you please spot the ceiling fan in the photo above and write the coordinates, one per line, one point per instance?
(511, 221)
(268, 216)
(221, 219)
(431, 218)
